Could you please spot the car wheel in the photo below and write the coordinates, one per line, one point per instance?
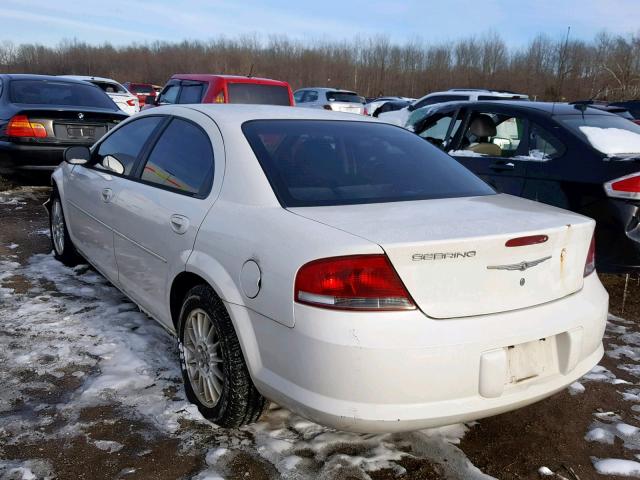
(213, 368)
(63, 248)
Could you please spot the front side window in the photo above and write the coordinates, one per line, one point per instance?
(120, 150)
(343, 163)
(298, 96)
(492, 134)
(170, 95)
(46, 92)
(191, 93)
(311, 96)
(182, 159)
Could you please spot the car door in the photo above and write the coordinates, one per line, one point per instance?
(157, 216)
(91, 189)
(491, 145)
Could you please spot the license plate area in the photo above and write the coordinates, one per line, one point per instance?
(531, 360)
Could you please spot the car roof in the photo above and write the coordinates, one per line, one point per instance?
(51, 78)
(89, 78)
(550, 108)
(327, 89)
(236, 114)
(205, 77)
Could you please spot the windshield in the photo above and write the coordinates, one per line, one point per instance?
(348, 97)
(315, 162)
(255, 93)
(609, 134)
(46, 92)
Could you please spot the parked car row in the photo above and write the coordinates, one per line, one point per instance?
(318, 257)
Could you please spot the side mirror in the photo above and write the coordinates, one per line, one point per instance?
(151, 100)
(77, 155)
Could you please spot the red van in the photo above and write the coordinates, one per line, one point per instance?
(195, 88)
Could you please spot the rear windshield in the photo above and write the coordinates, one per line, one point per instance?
(46, 92)
(109, 87)
(257, 94)
(314, 163)
(348, 97)
(136, 88)
(610, 134)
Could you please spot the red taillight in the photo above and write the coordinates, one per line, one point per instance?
(523, 241)
(327, 107)
(20, 126)
(358, 282)
(365, 111)
(590, 265)
(637, 121)
(220, 98)
(131, 102)
(624, 187)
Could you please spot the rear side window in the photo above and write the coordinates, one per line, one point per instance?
(46, 92)
(182, 159)
(191, 93)
(313, 163)
(348, 97)
(119, 152)
(254, 93)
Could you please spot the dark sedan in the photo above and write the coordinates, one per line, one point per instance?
(42, 115)
(574, 157)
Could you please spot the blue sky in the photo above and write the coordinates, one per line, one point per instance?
(126, 21)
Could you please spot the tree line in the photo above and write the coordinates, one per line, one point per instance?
(607, 67)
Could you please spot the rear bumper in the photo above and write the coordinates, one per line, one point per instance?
(402, 371)
(15, 157)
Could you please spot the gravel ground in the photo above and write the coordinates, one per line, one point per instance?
(91, 389)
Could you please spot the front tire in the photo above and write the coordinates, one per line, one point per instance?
(63, 248)
(215, 374)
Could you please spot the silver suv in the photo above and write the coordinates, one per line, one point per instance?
(330, 99)
(461, 94)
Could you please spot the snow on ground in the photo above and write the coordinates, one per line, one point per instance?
(72, 327)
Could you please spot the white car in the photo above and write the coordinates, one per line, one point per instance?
(123, 98)
(329, 99)
(337, 265)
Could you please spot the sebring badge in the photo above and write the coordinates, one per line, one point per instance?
(522, 266)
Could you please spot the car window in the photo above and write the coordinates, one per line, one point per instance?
(119, 151)
(543, 145)
(170, 95)
(609, 134)
(344, 163)
(47, 92)
(191, 93)
(258, 94)
(298, 96)
(109, 87)
(310, 96)
(348, 97)
(435, 128)
(492, 134)
(182, 159)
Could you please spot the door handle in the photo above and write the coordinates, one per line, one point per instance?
(179, 223)
(107, 195)
(502, 166)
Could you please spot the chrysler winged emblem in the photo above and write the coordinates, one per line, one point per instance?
(80, 115)
(522, 266)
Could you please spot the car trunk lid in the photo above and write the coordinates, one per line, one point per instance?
(452, 256)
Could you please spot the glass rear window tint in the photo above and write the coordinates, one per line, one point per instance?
(46, 92)
(314, 163)
(348, 97)
(254, 93)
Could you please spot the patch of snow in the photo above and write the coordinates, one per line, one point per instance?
(465, 153)
(576, 388)
(12, 246)
(612, 141)
(545, 472)
(601, 435)
(615, 466)
(108, 445)
(534, 156)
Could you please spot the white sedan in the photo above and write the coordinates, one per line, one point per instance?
(339, 266)
(123, 98)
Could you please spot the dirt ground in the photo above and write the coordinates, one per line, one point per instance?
(41, 435)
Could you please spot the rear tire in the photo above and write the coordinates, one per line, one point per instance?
(63, 248)
(215, 374)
